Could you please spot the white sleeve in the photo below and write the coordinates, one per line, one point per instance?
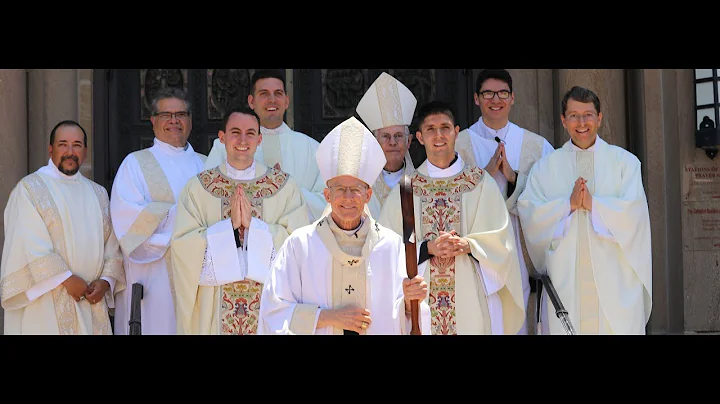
(224, 262)
(111, 282)
(599, 225)
(128, 202)
(260, 250)
(562, 227)
(155, 247)
(46, 285)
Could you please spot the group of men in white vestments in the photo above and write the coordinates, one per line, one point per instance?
(275, 233)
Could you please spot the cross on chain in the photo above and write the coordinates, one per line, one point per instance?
(349, 289)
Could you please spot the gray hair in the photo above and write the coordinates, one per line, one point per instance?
(406, 130)
(170, 92)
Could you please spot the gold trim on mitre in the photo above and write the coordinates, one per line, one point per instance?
(387, 103)
(350, 149)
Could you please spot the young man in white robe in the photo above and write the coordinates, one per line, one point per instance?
(586, 223)
(387, 109)
(230, 221)
(282, 148)
(143, 205)
(508, 160)
(466, 244)
(61, 262)
(344, 274)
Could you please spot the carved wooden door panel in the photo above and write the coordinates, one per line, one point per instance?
(131, 91)
(322, 99)
(326, 97)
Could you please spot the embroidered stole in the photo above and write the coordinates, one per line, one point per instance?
(65, 309)
(239, 302)
(530, 153)
(349, 263)
(587, 290)
(464, 147)
(160, 191)
(271, 150)
(440, 209)
(381, 190)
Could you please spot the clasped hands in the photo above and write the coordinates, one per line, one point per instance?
(448, 244)
(580, 197)
(240, 209)
(79, 290)
(499, 162)
(358, 319)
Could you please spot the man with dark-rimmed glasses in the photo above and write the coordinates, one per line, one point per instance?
(143, 204)
(507, 152)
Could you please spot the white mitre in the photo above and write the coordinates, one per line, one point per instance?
(350, 149)
(386, 103)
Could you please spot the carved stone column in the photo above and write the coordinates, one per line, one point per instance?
(53, 97)
(533, 109)
(14, 153)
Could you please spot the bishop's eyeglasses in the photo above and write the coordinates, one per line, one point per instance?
(356, 191)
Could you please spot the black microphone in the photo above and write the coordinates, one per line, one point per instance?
(497, 139)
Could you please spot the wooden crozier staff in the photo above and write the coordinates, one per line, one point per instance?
(409, 239)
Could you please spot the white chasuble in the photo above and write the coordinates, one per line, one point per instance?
(222, 296)
(599, 260)
(323, 267)
(57, 226)
(523, 148)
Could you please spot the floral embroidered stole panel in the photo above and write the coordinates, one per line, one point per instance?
(240, 301)
(440, 210)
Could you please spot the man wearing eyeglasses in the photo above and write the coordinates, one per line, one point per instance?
(587, 226)
(282, 148)
(466, 244)
(344, 274)
(507, 152)
(387, 109)
(230, 221)
(143, 204)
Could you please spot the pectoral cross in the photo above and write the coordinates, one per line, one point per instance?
(349, 289)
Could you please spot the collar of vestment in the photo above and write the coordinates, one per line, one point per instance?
(570, 146)
(267, 182)
(240, 175)
(487, 132)
(353, 232)
(433, 171)
(387, 172)
(170, 149)
(272, 132)
(52, 170)
(333, 237)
